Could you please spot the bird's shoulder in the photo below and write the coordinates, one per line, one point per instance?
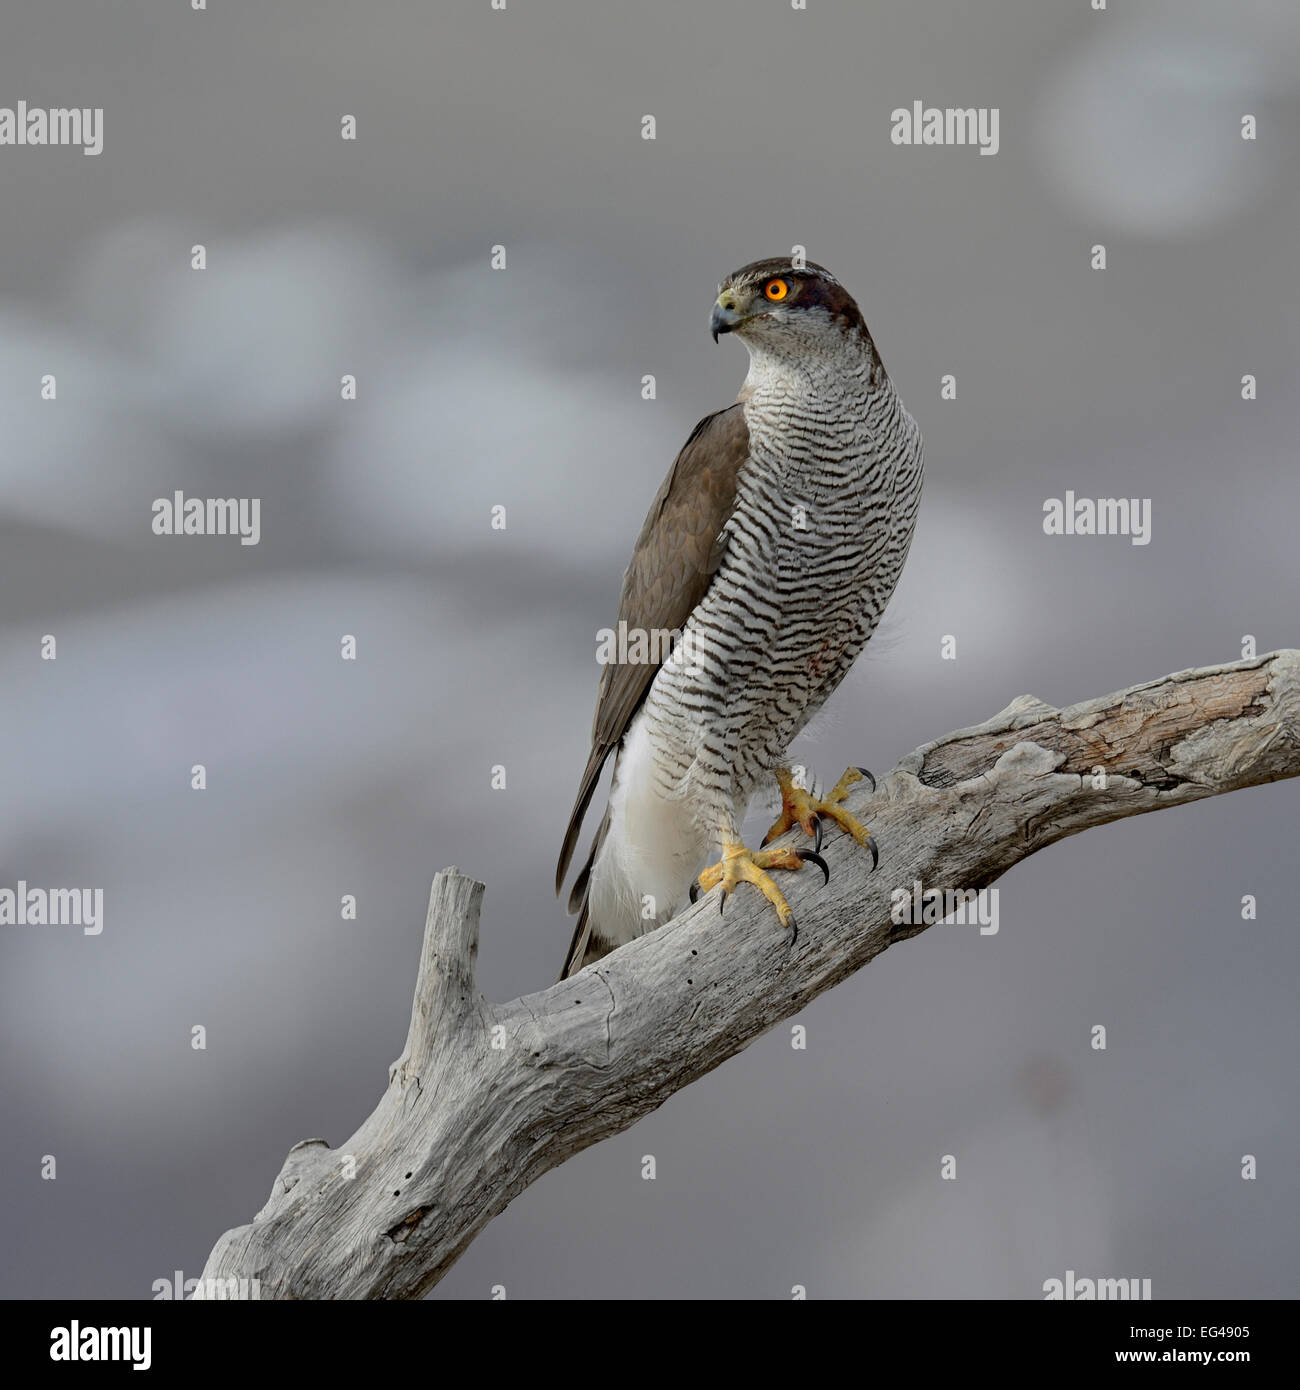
(676, 550)
(675, 557)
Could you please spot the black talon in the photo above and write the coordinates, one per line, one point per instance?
(695, 891)
(794, 931)
(875, 853)
(810, 856)
(722, 903)
(817, 834)
(869, 777)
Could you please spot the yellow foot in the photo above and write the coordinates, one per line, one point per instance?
(741, 865)
(799, 808)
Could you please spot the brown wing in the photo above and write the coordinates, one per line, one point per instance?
(676, 556)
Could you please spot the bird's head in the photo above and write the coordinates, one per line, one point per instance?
(778, 305)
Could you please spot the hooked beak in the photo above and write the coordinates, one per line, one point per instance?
(726, 315)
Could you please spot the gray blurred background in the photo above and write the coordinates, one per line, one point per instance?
(476, 647)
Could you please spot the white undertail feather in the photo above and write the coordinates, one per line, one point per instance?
(651, 852)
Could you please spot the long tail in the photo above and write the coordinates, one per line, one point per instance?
(581, 951)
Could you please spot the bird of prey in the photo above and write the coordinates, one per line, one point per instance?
(772, 547)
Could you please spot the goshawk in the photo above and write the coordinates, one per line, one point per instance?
(772, 547)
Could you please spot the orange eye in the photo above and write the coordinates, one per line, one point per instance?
(776, 290)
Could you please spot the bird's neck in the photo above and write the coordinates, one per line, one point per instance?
(848, 371)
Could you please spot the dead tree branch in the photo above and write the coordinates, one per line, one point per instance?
(486, 1098)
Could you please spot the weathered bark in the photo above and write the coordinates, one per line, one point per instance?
(486, 1098)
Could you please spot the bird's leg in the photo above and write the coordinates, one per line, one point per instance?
(799, 807)
(741, 865)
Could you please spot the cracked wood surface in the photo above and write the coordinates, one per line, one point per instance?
(485, 1098)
